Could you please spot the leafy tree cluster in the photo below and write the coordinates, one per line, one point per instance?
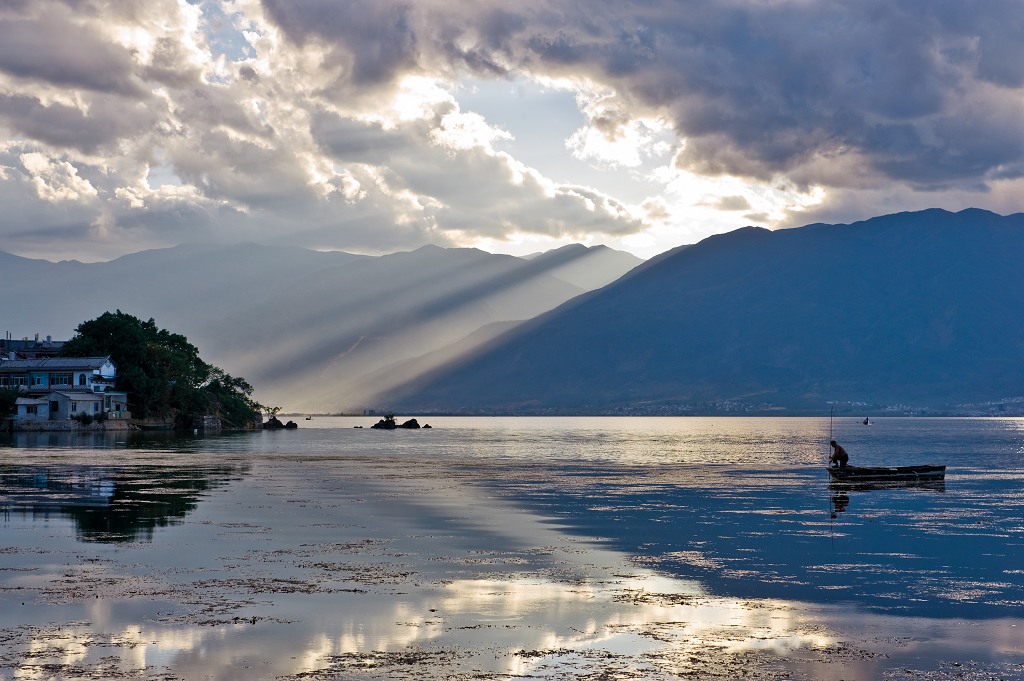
(163, 373)
(8, 401)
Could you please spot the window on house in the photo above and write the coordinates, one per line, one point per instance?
(31, 409)
(95, 407)
(74, 407)
(81, 379)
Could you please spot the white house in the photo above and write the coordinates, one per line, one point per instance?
(64, 405)
(55, 388)
(32, 409)
(37, 376)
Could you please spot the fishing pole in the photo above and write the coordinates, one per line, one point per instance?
(831, 411)
(831, 500)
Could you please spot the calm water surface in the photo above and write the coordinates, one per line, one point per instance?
(511, 547)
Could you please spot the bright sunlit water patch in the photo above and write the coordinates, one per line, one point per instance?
(561, 547)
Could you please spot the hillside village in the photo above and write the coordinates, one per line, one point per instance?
(48, 385)
(57, 393)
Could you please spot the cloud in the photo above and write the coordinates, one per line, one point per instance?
(39, 48)
(56, 180)
(451, 176)
(337, 124)
(733, 203)
(916, 92)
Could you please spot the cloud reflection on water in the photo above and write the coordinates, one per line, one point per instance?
(323, 561)
(442, 566)
(535, 628)
(518, 627)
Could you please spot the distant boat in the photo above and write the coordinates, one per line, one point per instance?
(309, 418)
(887, 473)
(156, 426)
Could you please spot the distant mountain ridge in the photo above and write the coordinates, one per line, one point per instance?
(312, 331)
(587, 267)
(921, 309)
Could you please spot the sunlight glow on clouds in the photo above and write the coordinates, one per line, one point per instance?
(467, 130)
(626, 145)
(614, 136)
(415, 98)
(342, 125)
(56, 180)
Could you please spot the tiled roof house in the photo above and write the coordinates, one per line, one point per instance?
(55, 388)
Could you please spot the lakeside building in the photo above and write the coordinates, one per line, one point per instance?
(62, 388)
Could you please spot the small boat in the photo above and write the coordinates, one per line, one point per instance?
(887, 473)
(156, 426)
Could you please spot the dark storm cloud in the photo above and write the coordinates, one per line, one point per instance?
(62, 53)
(379, 37)
(352, 141)
(70, 127)
(916, 89)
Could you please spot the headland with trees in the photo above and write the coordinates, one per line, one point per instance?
(166, 380)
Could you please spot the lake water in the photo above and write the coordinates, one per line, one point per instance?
(501, 548)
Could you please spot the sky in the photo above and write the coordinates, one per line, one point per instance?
(374, 126)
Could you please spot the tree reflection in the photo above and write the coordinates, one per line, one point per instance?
(111, 503)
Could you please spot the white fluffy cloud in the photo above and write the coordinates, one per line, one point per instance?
(337, 123)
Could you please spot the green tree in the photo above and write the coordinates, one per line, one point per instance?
(162, 372)
(230, 399)
(8, 402)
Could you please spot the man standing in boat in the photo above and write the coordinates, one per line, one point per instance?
(839, 456)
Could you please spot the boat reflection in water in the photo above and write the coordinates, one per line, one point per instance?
(841, 490)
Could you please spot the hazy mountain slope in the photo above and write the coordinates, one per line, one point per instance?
(181, 287)
(588, 268)
(312, 331)
(924, 308)
(326, 334)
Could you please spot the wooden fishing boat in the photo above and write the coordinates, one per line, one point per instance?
(887, 473)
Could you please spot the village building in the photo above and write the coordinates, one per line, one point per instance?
(61, 388)
(28, 348)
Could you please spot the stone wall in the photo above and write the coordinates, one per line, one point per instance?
(68, 425)
(207, 424)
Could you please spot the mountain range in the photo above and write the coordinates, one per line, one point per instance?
(912, 312)
(917, 312)
(312, 331)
